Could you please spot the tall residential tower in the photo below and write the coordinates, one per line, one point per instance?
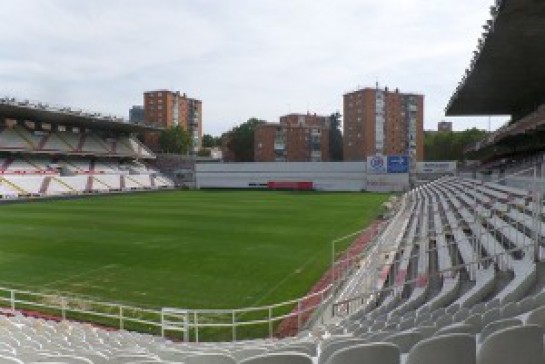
(382, 122)
(170, 108)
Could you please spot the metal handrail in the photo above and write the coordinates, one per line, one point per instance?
(122, 313)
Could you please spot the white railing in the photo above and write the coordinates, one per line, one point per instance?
(244, 322)
(81, 309)
(177, 323)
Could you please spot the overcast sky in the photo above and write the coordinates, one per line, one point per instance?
(243, 58)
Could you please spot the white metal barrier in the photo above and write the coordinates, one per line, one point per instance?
(180, 323)
(193, 322)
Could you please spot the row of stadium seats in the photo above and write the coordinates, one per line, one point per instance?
(19, 139)
(43, 165)
(44, 185)
(29, 176)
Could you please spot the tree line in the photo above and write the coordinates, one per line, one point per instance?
(443, 146)
(438, 146)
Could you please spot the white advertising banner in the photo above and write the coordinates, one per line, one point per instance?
(436, 167)
(388, 182)
(377, 164)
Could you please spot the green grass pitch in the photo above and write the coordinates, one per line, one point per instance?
(191, 249)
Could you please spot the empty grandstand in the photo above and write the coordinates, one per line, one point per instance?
(455, 276)
(50, 151)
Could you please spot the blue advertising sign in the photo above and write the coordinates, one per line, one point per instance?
(398, 164)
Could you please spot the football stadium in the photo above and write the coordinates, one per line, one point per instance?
(106, 259)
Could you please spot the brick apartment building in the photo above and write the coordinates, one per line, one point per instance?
(296, 138)
(383, 122)
(170, 108)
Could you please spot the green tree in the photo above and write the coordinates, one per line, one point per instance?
(240, 140)
(175, 140)
(335, 137)
(450, 145)
(208, 141)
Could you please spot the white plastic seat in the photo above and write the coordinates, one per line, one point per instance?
(383, 353)
(297, 348)
(209, 358)
(379, 336)
(4, 359)
(527, 304)
(452, 309)
(537, 317)
(491, 315)
(279, 358)
(498, 325)
(426, 331)
(333, 346)
(475, 320)
(406, 324)
(69, 359)
(519, 344)
(246, 353)
(510, 310)
(478, 308)
(405, 340)
(443, 321)
(129, 358)
(461, 314)
(540, 299)
(446, 349)
(456, 329)
(492, 304)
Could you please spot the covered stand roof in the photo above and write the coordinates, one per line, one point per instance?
(507, 74)
(11, 108)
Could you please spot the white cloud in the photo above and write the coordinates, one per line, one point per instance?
(243, 58)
